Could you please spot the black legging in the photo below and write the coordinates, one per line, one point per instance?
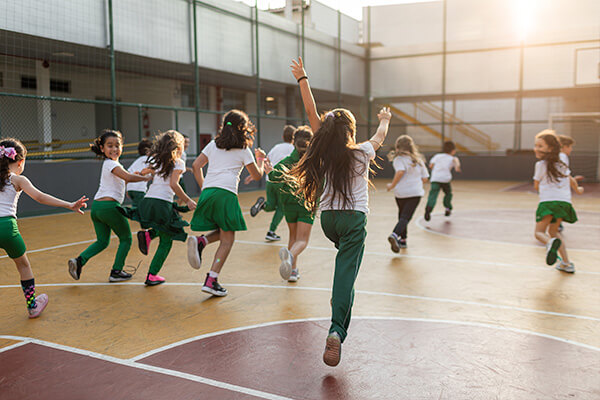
(406, 209)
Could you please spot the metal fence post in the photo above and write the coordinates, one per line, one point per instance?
(368, 71)
(113, 78)
(258, 95)
(140, 134)
(196, 78)
(339, 59)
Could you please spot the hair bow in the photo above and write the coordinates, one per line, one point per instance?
(8, 152)
(228, 123)
(329, 114)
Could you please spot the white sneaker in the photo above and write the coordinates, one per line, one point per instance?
(193, 254)
(294, 276)
(287, 260)
(566, 267)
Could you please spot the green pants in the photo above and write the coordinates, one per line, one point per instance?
(347, 230)
(435, 190)
(273, 204)
(164, 247)
(106, 218)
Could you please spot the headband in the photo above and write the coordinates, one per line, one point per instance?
(8, 152)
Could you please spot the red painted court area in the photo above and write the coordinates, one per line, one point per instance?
(427, 359)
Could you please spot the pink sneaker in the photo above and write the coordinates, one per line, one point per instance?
(153, 280)
(41, 303)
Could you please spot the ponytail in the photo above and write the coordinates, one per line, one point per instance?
(98, 143)
(11, 151)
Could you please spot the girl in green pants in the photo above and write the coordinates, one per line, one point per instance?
(12, 184)
(335, 170)
(157, 210)
(105, 216)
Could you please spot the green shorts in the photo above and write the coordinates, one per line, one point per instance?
(296, 213)
(218, 209)
(10, 238)
(558, 209)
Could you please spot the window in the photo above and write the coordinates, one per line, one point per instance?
(60, 86)
(270, 105)
(233, 99)
(28, 82)
(188, 96)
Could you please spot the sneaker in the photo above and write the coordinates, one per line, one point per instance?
(272, 236)
(75, 267)
(402, 243)
(259, 205)
(153, 280)
(294, 276)
(448, 212)
(333, 349)
(119, 276)
(41, 301)
(144, 240)
(287, 260)
(194, 251)
(393, 239)
(212, 286)
(551, 250)
(566, 267)
(427, 214)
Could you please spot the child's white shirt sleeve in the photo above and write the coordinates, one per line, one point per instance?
(424, 172)
(248, 156)
(368, 148)
(399, 164)
(538, 175)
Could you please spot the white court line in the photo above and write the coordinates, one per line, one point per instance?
(290, 321)
(317, 289)
(146, 367)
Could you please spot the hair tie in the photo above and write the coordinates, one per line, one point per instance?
(228, 123)
(8, 152)
(329, 114)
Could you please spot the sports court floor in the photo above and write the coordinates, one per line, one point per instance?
(468, 311)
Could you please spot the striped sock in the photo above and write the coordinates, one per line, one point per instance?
(29, 291)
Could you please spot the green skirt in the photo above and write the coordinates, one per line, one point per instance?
(218, 209)
(160, 215)
(558, 209)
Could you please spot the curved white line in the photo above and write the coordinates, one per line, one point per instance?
(367, 292)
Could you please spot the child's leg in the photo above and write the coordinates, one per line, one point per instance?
(277, 217)
(399, 228)
(24, 268)
(301, 240)
(433, 195)
(120, 225)
(34, 305)
(447, 188)
(226, 240)
(408, 210)
(293, 227)
(553, 231)
(164, 247)
(102, 239)
(540, 229)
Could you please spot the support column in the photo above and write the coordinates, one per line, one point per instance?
(444, 22)
(44, 107)
(519, 102)
(290, 105)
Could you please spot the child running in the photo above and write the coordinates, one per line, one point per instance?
(335, 171)
(12, 184)
(441, 166)
(157, 210)
(277, 153)
(299, 219)
(553, 181)
(566, 147)
(105, 216)
(407, 184)
(218, 207)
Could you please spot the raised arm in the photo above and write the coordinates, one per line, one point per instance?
(307, 98)
(25, 185)
(129, 177)
(384, 116)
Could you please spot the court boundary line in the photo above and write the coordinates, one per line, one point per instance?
(317, 289)
(147, 367)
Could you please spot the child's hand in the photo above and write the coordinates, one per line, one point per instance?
(145, 171)
(248, 179)
(579, 190)
(384, 114)
(267, 167)
(79, 204)
(579, 177)
(389, 187)
(191, 204)
(147, 177)
(298, 68)
(260, 153)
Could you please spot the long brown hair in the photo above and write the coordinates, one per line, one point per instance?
(237, 131)
(5, 161)
(405, 146)
(551, 157)
(163, 153)
(330, 156)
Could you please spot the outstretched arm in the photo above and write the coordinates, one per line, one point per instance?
(129, 177)
(25, 184)
(257, 169)
(307, 98)
(384, 122)
(575, 186)
(174, 183)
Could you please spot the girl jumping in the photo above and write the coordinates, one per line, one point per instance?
(407, 184)
(218, 206)
(335, 170)
(105, 215)
(12, 184)
(553, 181)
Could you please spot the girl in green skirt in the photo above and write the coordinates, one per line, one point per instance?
(553, 181)
(157, 211)
(12, 184)
(335, 171)
(105, 215)
(218, 208)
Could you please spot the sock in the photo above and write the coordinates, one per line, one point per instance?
(29, 291)
(202, 239)
(213, 274)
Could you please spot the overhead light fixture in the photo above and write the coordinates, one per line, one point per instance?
(269, 98)
(63, 54)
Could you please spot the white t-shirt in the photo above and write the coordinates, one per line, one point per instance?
(160, 188)
(9, 197)
(111, 185)
(225, 166)
(411, 183)
(442, 167)
(360, 187)
(137, 166)
(559, 190)
(279, 152)
(564, 158)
